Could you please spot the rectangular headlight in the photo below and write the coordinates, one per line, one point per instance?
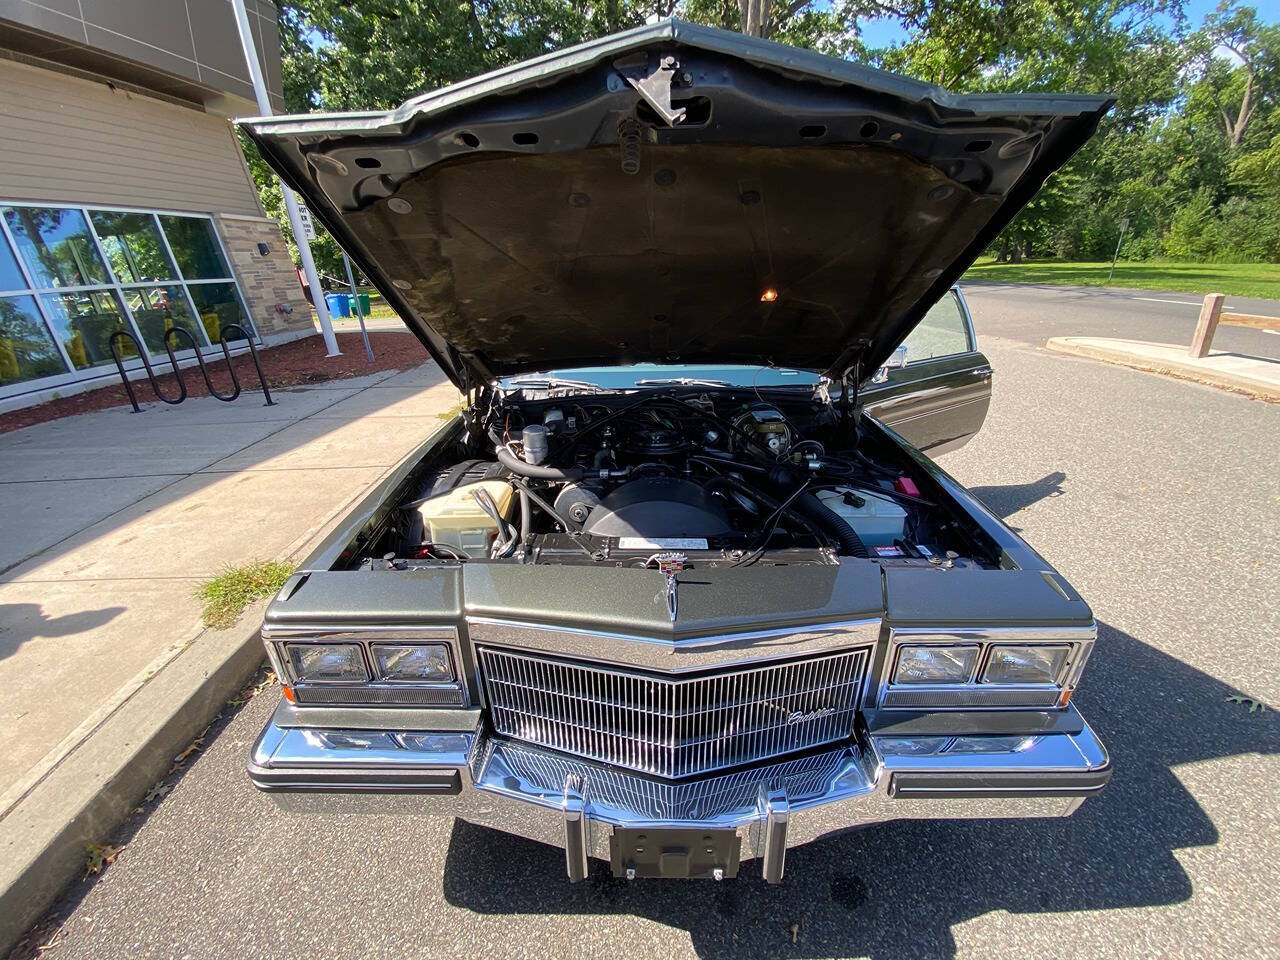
(1041, 663)
(326, 662)
(935, 664)
(414, 662)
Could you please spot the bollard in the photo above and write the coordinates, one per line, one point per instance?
(1207, 325)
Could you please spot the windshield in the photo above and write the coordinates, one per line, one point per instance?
(661, 375)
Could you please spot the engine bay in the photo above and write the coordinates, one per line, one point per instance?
(682, 475)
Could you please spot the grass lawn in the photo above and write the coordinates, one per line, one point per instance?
(1234, 279)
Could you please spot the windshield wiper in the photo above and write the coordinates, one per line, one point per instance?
(681, 382)
(554, 383)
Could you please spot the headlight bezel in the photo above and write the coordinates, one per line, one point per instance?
(974, 693)
(376, 690)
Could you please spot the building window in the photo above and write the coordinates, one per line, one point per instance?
(27, 351)
(71, 277)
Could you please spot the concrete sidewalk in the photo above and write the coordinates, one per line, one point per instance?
(1258, 376)
(109, 522)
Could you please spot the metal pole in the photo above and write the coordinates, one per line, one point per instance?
(1124, 225)
(290, 202)
(355, 299)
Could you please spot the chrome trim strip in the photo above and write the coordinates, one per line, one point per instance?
(337, 633)
(931, 412)
(673, 655)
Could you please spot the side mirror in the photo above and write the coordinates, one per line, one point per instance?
(898, 360)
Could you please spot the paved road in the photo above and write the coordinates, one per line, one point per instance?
(1032, 314)
(1159, 499)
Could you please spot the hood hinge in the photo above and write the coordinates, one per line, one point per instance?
(851, 380)
(653, 78)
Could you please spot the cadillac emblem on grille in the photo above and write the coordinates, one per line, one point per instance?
(672, 726)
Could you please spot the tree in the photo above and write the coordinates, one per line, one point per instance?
(1255, 46)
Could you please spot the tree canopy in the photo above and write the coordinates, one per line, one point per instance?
(1189, 159)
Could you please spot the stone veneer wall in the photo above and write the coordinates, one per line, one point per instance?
(266, 281)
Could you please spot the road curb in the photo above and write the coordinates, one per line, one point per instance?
(43, 837)
(1188, 370)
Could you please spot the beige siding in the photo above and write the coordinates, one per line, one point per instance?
(74, 141)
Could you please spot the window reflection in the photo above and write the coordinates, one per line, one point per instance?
(27, 350)
(84, 322)
(56, 246)
(133, 245)
(218, 306)
(10, 276)
(72, 277)
(196, 247)
(155, 310)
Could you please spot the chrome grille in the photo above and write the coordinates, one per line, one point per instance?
(672, 727)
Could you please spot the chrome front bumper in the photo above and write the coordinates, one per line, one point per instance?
(546, 796)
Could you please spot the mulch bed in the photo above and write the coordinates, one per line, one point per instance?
(288, 365)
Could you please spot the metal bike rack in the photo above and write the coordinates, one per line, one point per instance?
(114, 343)
(170, 336)
(253, 352)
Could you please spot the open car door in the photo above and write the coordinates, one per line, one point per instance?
(936, 388)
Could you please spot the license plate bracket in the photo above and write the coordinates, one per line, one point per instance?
(675, 853)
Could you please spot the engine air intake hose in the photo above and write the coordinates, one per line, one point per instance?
(518, 466)
(831, 523)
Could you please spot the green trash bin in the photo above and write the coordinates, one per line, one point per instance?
(364, 304)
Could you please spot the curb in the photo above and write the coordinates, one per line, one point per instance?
(1184, 371)
(95, 788)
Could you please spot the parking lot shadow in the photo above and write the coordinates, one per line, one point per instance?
(899, 889)
(1006, 499)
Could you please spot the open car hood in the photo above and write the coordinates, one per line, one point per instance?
(674, 194)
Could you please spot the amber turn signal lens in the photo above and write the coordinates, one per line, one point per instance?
(768, 295)
(1066, 697)
(288, 693)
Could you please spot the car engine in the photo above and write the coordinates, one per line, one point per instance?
(720, 477)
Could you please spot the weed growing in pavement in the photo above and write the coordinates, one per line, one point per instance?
(226, 595)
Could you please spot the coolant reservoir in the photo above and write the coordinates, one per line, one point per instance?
(455, 519)
(878, 521)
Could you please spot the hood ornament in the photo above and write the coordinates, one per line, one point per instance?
(670, 564)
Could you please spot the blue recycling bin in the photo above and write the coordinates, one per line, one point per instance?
(339, 304)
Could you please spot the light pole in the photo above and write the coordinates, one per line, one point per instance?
(290, 201)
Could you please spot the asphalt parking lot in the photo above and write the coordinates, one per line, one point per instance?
(1158, 499)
